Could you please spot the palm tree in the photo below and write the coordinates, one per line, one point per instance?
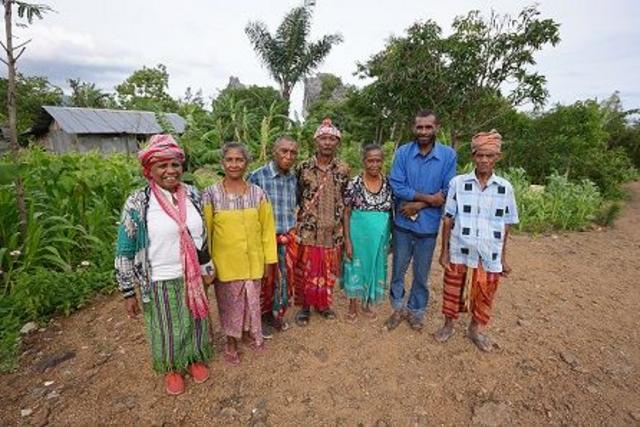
(288, 54)
(87, 95)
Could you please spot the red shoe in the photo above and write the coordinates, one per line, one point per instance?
(199, 372)
(174, 383)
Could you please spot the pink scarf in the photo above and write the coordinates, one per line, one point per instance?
(196, 296)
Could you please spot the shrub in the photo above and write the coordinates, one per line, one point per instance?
(561, 205)
(74, 202)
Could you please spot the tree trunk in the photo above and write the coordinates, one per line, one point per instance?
(392, 134)
(286, 95)
(11, 78)
(454, 140)
(13, 121)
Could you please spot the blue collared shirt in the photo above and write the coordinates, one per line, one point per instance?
(480, 217)
(413, 172)
(281, 191)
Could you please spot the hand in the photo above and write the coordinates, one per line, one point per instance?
(270, 271)
(207, 279)
(444, 260)
(506, 269)
(410, 208)
(131, 307)
(348, 249)
(438, 199)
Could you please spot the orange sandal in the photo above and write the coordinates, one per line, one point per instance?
(174, 383)
(199, 372)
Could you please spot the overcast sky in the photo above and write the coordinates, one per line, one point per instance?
(203, 42)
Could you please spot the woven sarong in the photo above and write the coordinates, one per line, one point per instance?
(239, 308)
(277, 291)
(475, 294)
(175, 337)
(316, 272)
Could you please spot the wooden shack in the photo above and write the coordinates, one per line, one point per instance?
(63, 129)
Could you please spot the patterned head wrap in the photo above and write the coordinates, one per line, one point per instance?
(161, 147)
(327, 128)
(491, 139)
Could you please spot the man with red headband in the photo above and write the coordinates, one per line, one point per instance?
(162, 249)
(322, 181)
(478, 214)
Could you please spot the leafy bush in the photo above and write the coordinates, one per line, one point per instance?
(74, 203)
(561, 205)
(570, 140)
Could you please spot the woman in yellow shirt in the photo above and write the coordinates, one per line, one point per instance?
(241, 231)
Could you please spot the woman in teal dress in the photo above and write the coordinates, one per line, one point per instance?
(367, 224)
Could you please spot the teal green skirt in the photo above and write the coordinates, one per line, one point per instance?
(365, 276)
(175, 337)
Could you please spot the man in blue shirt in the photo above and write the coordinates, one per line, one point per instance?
(419, 177)
(279, 181)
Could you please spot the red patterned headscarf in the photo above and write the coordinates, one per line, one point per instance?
(161, 147)
(327, 128)
(491, 139)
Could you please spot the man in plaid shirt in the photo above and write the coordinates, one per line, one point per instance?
(278, 180)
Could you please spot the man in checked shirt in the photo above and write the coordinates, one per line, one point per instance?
(278, 180)
(479, 210)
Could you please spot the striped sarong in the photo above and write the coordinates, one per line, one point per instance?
(463, 293)
(175, 337)
(277, 291)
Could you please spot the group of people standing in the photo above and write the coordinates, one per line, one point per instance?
(288, 234)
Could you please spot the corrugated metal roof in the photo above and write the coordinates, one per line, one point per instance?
(94, 120)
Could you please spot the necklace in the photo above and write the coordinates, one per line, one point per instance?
(234, 194)
(370, 186)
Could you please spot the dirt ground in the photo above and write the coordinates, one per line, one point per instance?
(566, 328)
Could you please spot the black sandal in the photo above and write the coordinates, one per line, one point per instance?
(302, 317)
(328, 314)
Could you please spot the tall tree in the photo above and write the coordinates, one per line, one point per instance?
(147, 89)
(471, 77)
(288, 54)
(34, 92)
(13, 53)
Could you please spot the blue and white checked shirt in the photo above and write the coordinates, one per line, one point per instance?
(281, 191)
(480, 218)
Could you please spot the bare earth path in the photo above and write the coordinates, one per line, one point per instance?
(566, 324)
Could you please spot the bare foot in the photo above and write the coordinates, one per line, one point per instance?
(444, 333)
(481, 340)
(351, 317)
(369, 314)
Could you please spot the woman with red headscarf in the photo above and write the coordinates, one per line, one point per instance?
(162, 249)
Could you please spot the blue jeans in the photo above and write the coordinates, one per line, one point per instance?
(408, 245)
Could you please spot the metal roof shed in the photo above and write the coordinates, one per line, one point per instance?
(62, 129)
